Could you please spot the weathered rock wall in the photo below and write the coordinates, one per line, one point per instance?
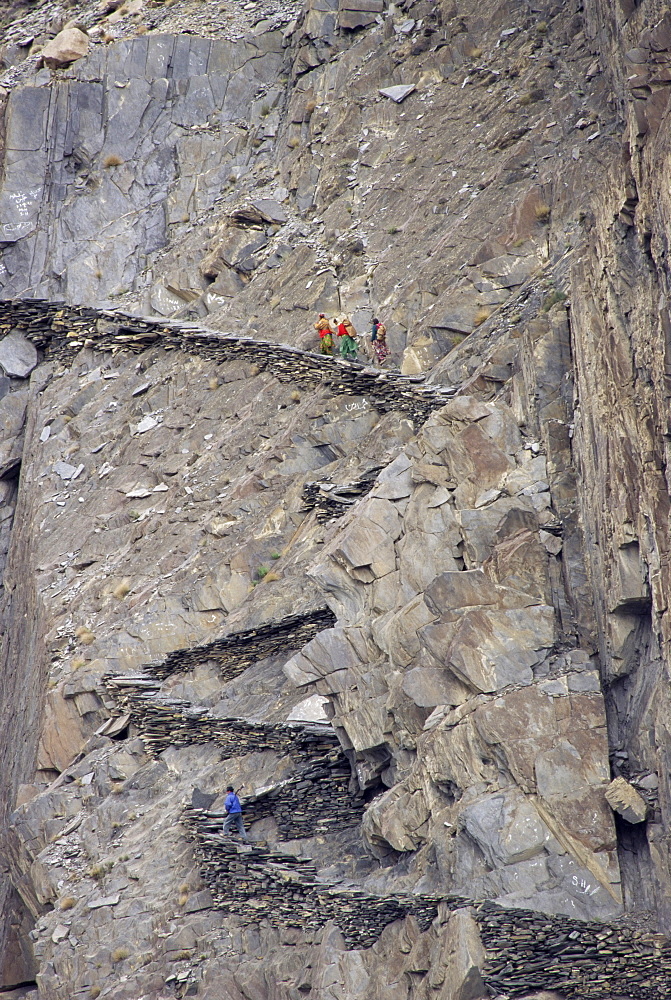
(620, 333)
(498, 586)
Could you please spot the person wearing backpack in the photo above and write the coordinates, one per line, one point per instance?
(323, 328)
(378, 339)
(347, 335)
(233, 811)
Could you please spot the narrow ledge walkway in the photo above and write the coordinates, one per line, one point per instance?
(63, 330)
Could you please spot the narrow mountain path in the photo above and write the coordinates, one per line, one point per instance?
(63, 330)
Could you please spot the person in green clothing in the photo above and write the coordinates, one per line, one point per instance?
(346, 339)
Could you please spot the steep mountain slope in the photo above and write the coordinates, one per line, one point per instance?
(437, 661)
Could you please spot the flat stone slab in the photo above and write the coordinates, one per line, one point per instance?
(271, 210)
(95, 904)
(399, 92)
(18, 356)
(67, 471)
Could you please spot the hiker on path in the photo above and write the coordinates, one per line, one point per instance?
(347, 335)
(323, 328)
(233, 811)
(378, 339)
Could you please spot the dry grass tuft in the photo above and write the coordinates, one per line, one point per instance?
(296, 396)
(183, 956)
(119, 954)
(531, 96)
(85, 635)
(542, 211)
(112, 160)
(95, 991)
(67, 902)
(183, 898)
(213, 383)
(294, 142)
(480, 316)
(121, 590)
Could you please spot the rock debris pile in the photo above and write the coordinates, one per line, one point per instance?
(62, 330)
(526, 950)
(237, 651)
(330, 500)
(531, 951)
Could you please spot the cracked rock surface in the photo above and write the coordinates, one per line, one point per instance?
(428, 644)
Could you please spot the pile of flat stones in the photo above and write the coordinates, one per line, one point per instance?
(257, 883)
(319, 799)
(531, 951)
(63, 330)
(236, 652)
(330, 500)
(167, 722)
(526, 951)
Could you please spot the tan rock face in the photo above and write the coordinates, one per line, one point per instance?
(68, 46)
(626, 801)
(63, 733)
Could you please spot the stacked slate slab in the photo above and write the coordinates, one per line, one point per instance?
(331, 500)
(167, 722)
(317, 800)
(63, 330)
(235, 652)
(320, 797)
(526, 951)
(258, 883)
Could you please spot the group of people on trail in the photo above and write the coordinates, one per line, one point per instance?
(342, 328)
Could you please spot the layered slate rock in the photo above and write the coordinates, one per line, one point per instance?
(332, 499)
(194, 92)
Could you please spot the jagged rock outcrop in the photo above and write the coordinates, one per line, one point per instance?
(417, 615)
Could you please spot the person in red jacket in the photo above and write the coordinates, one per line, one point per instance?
(346, 335)
(323, 328)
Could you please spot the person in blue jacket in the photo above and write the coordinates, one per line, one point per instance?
(233, 811)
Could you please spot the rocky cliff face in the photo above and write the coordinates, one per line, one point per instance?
(420, 616)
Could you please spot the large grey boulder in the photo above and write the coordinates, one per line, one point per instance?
(18, 356)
